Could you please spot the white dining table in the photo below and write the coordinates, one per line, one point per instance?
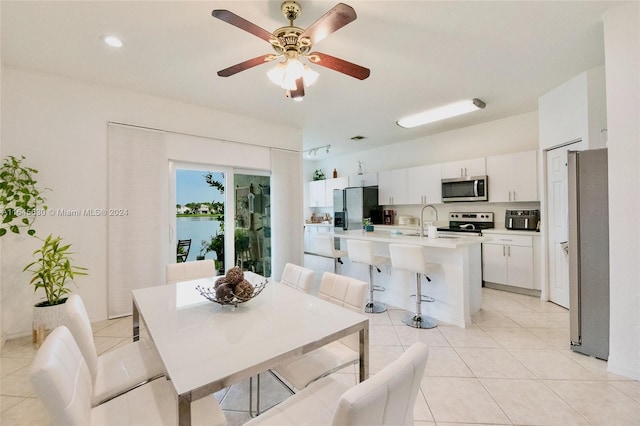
(206, 347)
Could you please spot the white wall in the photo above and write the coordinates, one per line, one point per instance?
(512, 134)
(622, 61)
(574, 110)
(60, 125)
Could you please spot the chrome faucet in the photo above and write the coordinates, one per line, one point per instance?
(422, 219)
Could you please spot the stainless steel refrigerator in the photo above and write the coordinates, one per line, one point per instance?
(352, 205)
(589, 252)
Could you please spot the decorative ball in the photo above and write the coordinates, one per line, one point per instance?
(224, 293)
(235, 275)
(244, 290)
(220, 281)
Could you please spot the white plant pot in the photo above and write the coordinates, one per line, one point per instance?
(46, 318)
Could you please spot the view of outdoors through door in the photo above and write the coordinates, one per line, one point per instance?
(201, 209)
(200, 215)
(253, 223)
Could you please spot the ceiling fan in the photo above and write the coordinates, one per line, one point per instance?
(292, 43)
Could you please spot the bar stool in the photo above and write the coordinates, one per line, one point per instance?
(407, 257)
(362, 252)
(325, 246)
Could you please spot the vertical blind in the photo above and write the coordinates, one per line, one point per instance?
(286, 210)
(138, 213)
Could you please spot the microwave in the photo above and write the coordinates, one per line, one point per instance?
(472, 188)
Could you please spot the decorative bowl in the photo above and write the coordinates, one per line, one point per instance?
(210, 294)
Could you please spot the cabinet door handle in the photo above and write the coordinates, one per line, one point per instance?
(514, 195)
(509, 251)
(504, 251)
(465, 172)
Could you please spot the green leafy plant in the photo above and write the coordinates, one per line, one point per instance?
(20, 199)
(318, 175)
(52, 270)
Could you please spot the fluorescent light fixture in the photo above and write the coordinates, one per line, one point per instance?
(441, 113)
(112, 41)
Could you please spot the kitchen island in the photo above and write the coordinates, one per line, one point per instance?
(456, 279)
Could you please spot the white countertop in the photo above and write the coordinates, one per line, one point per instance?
(383, 236)
(319, 224)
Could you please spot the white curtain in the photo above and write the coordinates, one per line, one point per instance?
(138, 213)
(286, 210)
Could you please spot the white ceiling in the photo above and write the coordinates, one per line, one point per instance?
(421, 54)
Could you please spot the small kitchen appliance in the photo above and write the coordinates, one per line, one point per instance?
(468, 223)
(524, 220)
(388, 217)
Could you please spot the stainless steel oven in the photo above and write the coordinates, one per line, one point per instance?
(473, 188)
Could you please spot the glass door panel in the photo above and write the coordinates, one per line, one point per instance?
(252, 233)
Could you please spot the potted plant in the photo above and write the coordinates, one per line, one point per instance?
(367, 225)
(52, 271)
(215, 244)
(318, 174)
(21, 200)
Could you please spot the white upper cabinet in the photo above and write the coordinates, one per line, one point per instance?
(336, 183)
(424, 184)
(366, 179)
(513, 177)
(464, 168)
(392, 187)
(317, 194)
(321, 191)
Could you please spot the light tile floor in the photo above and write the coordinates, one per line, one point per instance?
(512, 366)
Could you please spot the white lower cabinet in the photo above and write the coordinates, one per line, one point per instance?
(310, 233)
(509, 260)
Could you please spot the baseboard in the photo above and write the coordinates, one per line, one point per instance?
(511, 289)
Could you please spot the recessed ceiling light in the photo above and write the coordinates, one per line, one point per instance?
(440, 113)
(112, 41)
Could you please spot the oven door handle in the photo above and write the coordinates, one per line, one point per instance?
(475, 187)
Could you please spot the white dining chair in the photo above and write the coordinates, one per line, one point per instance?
(61, 380)
(325, 246)
(118, 370)
(344, 291)
(185, 271)
(385, 399)
(297, 277)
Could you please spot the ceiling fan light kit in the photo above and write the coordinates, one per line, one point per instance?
(441, 113)
(292, 43)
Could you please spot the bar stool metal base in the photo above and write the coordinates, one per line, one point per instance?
(419, 321)
(373, 307)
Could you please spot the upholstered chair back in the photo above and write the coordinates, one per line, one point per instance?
(61, 379)
(79, 324)
(297, 277)
(388, 397)
(185, 271)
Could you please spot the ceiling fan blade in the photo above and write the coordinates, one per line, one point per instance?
(332, 21)
(339, 65)
(249, 63)
(243, 24)
(298, 92)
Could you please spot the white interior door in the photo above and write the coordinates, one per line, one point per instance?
(558, 222)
